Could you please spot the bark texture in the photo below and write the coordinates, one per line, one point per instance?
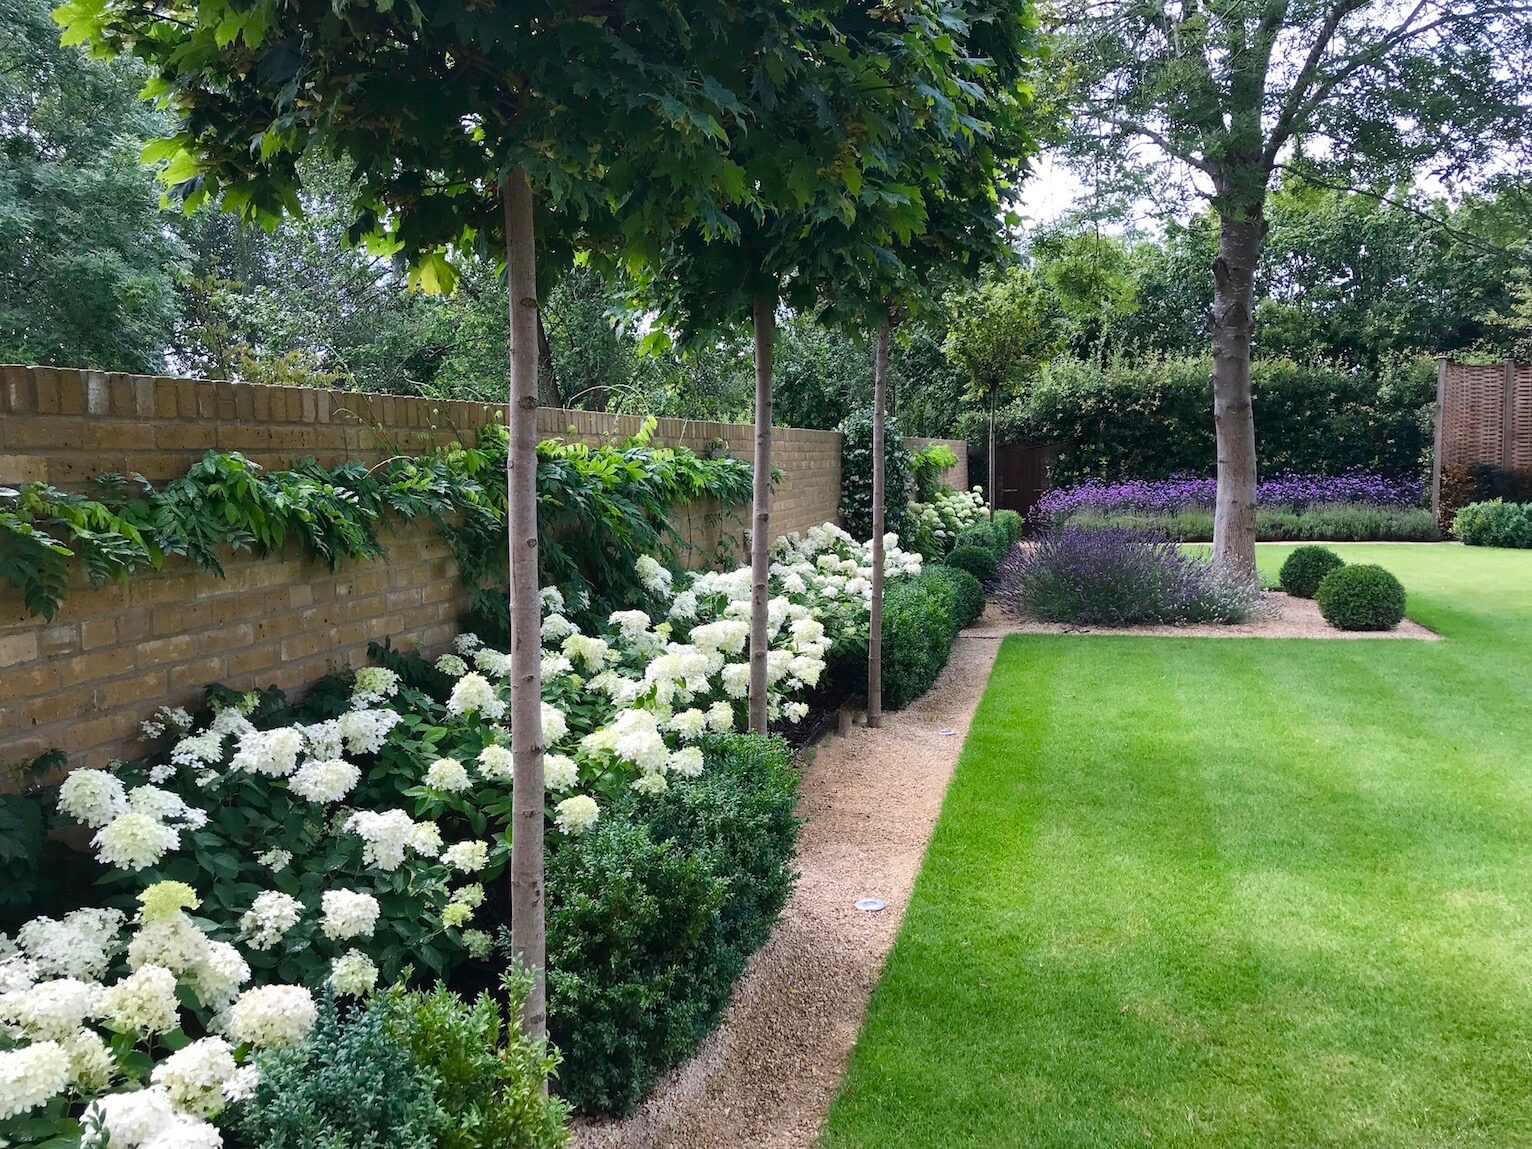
(528, 931)
(764, 315)
(875, 607)
(1231, 324)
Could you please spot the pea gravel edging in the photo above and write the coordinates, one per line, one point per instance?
(766, 1077)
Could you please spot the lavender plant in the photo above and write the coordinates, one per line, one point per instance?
(1120, 577)
(1286, 492)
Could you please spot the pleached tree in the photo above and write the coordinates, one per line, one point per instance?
(469, 126)
(936, 207)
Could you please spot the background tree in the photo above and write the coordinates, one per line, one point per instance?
(1350, 89)
(1001, 332)
(87, 266)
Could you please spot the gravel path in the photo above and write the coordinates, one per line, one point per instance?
(766, 1078)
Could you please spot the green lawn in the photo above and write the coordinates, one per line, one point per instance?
(1216, 892)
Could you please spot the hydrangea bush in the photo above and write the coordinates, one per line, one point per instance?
(340, 849)
(935, 526)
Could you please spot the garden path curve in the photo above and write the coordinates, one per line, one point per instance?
(766, 1077)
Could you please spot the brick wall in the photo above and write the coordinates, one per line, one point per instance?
(86, 680)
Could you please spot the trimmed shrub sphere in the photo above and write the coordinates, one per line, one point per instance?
(1010, 523)
(1306, 568)
(977, 561)
(968, 589)
(1362, 597)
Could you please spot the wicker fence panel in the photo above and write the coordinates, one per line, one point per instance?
(1483, 419)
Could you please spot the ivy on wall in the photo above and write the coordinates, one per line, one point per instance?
(599, 508)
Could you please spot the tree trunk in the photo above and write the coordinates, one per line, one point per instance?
(875, 607)
(528, 940)
(764, 314)
(1231, 324)
(548, 380)
(991, 491)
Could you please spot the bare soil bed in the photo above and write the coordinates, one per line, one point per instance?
(1280, 616)
(766, 1078)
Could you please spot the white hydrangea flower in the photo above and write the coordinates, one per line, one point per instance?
(272, 1016)
(736, 679)
(353, 974)
(650, 784)
(217, 978)
(366, 730)
(130, 1120)
(686, 762)
(373, 684)
(91, 1064)
(586, 652)
(194, 1076)
(466, 644)
(557, 628)
(689, 724)
(478, 943)
(492, 661)
(385, 836)
(93, 797)
(174, 942)
(269, 918)
(348, 914)
(467, 857)
(31, 1076)
(495, 762)
(560, 772)
(555, 725)
(81, 946)
(425, 838)
(135, 841)
(275, 860)
(144, 1001)
(631, 623)
(720, 718)
(554, 666)
(550, 599)
(273, 753)
(324, 739)
(326, 780)
(50, 1010)
(473, 694)
(448, 776)
(795, 711)
(578, 814)
(452, 665)
(684, 606)
(242, 1086)
(655, 578)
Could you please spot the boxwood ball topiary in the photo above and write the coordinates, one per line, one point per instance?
(1306, 568)
(977, 561)
(1363, 597)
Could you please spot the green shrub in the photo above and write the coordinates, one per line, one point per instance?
(1494, 524)
(1361, 597)
(351, 1085)
(487, 1077)
(1010, 522)
(653, 913)
(969, 591)
(977, 561)
(926, 468)
(856, 475)
(920, 620)
(1305, 567)
(979, 535)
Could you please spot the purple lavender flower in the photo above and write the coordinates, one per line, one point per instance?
(1287, 492)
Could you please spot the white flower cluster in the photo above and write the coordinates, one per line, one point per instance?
(935, 525)
(53, 994)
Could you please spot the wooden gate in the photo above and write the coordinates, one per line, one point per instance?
(1021, 475)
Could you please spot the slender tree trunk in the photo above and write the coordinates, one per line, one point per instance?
(875, 607)
(991, 491)
(548, 380)
(528, 940)
(764, 314)
(1231, 324)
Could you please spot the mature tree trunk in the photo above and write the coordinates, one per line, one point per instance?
(875, 607)
(528, 940)
(764, 314)
(1231, 323)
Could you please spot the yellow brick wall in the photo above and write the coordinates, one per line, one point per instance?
(85, 681)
